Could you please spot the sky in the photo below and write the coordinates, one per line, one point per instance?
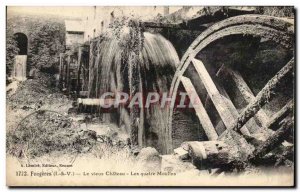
(70, 11)
(76, 12)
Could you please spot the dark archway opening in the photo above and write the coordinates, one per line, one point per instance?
(22, 43)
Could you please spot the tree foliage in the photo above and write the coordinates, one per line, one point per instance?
(47, 41)
(277, 11)
(11, 50)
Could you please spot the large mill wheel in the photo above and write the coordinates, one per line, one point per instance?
(221, 104)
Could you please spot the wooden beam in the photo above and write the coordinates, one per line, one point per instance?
(199, 21)
(274, 123)
(94, 102)
(251, 125)
(274, 140)
(280, 115)
(178, 26)
(61, 65)
(264, 147)
(221, 102)
(263, 97)
(199, 108)
(247, 94)
(79, 64)
(68, 75)
(208, 154)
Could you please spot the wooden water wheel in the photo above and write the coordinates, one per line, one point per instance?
(232, 78)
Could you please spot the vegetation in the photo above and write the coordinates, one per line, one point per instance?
(278, 11)
(47, 41)
(11, 50)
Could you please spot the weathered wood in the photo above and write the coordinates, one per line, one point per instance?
(226, 99)
(68, 74)
(263, 97)
(263, 147)
(280, 115)
(134, 87)
(199, 20)
(209, 154)
(140, 123)
(93, 47)
(286, 155)
(273, 123)
(274, 140)
(266, 27)
(199, 109)
(79, 65)
(61, 65)
(218, 154)
(223, 108)
(247, 94)
(276, 159)
(179, 26)
(94, 102)
(181, 153)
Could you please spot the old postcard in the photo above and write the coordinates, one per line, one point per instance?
(150, 96)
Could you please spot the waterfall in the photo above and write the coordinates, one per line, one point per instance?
(19, 72)
(135, 62)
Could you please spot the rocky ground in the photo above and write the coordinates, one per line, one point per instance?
(37, 115)
(39, 129)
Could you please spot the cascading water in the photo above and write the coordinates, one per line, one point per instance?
(19, 72)
(133, 62)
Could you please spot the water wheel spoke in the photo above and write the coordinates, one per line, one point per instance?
(263, 97)
(199, 108)
(224, 106)
(280, 115)
(246, 93)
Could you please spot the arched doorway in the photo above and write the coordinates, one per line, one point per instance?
(22, 43)
(19, 72)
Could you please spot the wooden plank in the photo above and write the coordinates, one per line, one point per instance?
(263, 97)
(274, 123)
(61, 57)
(68, 75)
(95, 101)
(79, 65)
(200, 110)
(179, 26)
(181, 153)
(276, 139)
(247, 94)
(209, 154)
(220, 101)
(251, 126)
(280, 115)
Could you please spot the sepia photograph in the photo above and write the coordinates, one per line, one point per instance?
(153, 96)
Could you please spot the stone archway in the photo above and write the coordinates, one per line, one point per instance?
(20, 64)
(22, 42)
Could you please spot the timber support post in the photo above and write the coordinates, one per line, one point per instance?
(274, 140)
(263, 97)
